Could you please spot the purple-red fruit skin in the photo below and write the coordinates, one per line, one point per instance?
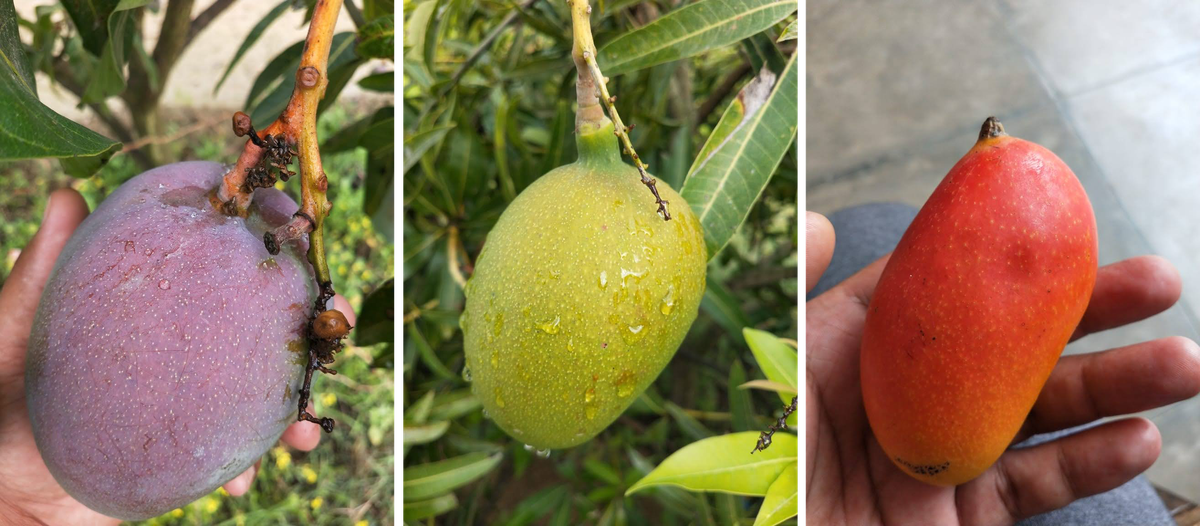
(166, 355)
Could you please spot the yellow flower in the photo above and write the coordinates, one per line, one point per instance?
(316, 503)
(222, 491)
(283, 459)
(329, 399)
(211, 505)
(342, 270)
(362, 523)
(177, 513)
(240, 520)
(308, 474)
(279, 185)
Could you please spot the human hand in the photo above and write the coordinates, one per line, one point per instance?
(850, 479)
(28, 493)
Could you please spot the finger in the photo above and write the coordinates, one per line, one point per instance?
(1129, 290)
(1026, 482)
(241, 483)
(818, 246)
(340, 303)
(303, 436)
(1121, 381)
(23, 288)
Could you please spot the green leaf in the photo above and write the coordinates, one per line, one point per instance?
(343, 62)
(691, 30)
(424, 509)
(419, 412)
(740, 403)
(561, 132)
(763, 52)
(720, 305)
(723, 186)
(347, 138)
(424, 434)
(790, 33)
(777, 360)
(376, 8)
(427, 355)
(690, 426)
(602, 471)
(108, 79)
(454, 404)
(500, 146)
(428, 480)
(725, 464)
(782, 500)
(377, 39)
(280, 71)
(381, 82)
(416, 29)
(29, 129)
(251, 38)
(90, 18)
(377, 319)
(379, 140)
(767, 385)
(416, 144)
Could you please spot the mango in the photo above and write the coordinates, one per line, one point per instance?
(975, 306)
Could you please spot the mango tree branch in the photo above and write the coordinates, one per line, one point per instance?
(592, 84)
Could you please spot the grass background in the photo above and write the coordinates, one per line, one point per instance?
(349, 478)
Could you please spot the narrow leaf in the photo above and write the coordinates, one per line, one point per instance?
(381, 82)
(29, 129)
(767, 385)
(424, 509)
(424, 434)
(452, 405)
(725, 464)
(90, 18)
(691, 30)
(108, 79)
(740, 403)
(720, 305)
(777, 360)
(251, 38)
(428, 480)
(724, 186)
(782, 499)
(790, 33)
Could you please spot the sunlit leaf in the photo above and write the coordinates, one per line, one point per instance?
(424, 509)
(252, 37)
(725, 184)
(435, 478)
(790, 33)
(423, 434)
(690, 30)
(724, 463)
(782, 500)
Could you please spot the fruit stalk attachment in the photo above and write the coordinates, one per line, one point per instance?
(591, 87)
(265, 158)
(764, 438)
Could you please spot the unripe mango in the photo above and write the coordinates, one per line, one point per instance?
(580, 297)
(975, 306)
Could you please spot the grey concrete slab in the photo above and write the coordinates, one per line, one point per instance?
(884, 76)
(1082, 44)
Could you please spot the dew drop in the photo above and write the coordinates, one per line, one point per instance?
(529, 447)
(543, 453)
(603, 280)
(555, 274)
(625, 389)
(571, 344)
(164, 284)
(486, 414)
(626, 273)
(634, 333)
(466, 374)
(668, 301)
(590, 411)
(549, 326)
(589, 396)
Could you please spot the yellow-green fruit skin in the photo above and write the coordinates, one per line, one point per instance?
(580, 297)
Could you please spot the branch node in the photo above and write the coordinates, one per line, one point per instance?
(308, 77)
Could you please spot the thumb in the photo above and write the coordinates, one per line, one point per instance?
(818, 246)
(23, 288)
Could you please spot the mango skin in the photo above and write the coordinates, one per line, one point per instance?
(580, 297)
(166, 352)
(974, 308)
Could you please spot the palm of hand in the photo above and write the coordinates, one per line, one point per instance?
(850, 479)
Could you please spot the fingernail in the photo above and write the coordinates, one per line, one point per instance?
(46, 212)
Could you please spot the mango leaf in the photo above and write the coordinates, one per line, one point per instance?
(255, 33)
(380, 141)
(343, 62)
(762, 51)
(454, 404)
(767, 385)
(377, 39)
(416, 144)
(782, 500)
(424, 509)
(724, 185)
(691, 30)
(777, 360)
(725, 464)
(377, 8)
(419, 412)
(720, 305)
(29, 129)
(427, 354)
(435, 478)
(273, 87)
(790, 33)
(537, 506)
(690, 426)
(90, 18)
(740, 403)
(381, 82)
(347, 138)
(377, 318)
(424, 434)
(416, 30)
(108, 79)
